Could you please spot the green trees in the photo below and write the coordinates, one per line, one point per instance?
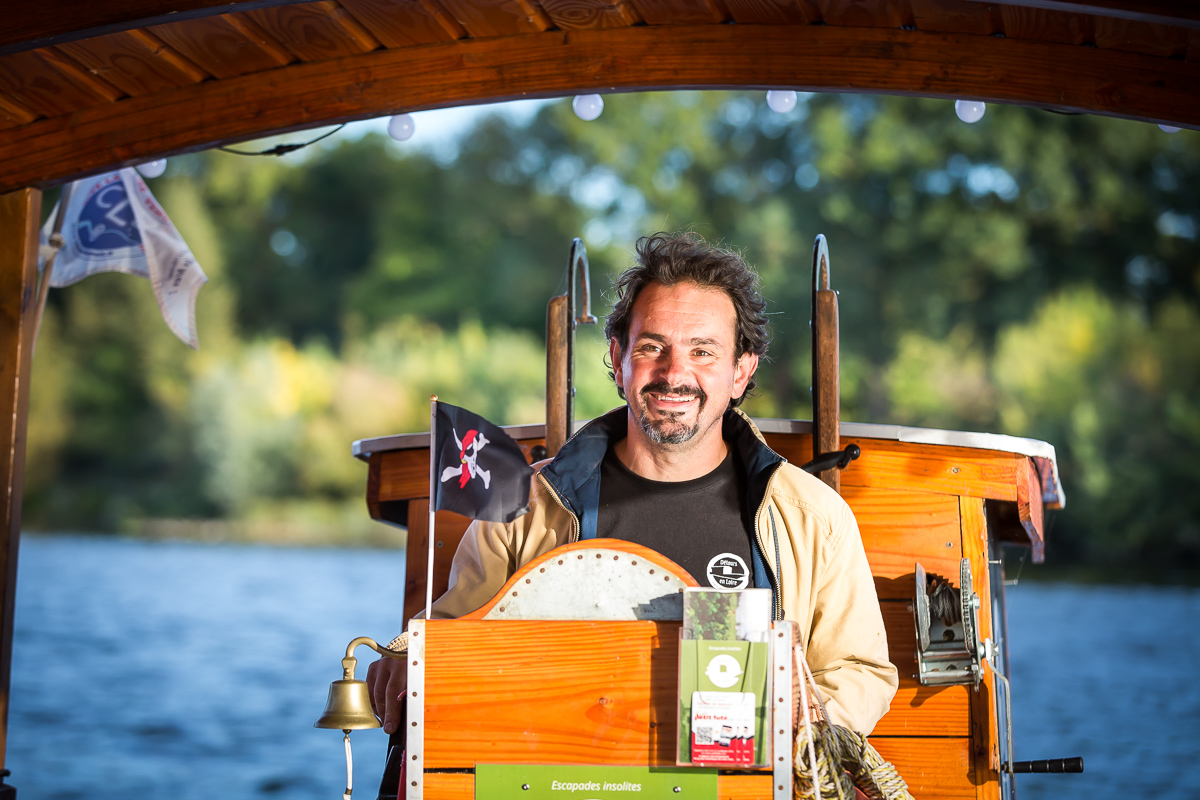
(1033, 274)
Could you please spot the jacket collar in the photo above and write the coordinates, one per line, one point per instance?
(575, 472)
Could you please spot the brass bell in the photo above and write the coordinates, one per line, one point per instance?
(348, 707)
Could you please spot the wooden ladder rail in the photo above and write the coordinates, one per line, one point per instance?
(826, 389)
(561, 322)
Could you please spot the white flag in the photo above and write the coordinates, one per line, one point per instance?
(114, 224)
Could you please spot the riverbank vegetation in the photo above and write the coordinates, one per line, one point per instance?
(1033, 274)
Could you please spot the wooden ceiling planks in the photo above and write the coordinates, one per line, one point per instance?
(680, 12)
(487, 19)
(136, 62)
(225, 46)
(554, 63)
(315, 31)
(83, 97)
(770, 12)
(41, 82)
(956, 16)
(29, 25)
(867, 13)
(406, 23)
(13, 114)
(587, 14)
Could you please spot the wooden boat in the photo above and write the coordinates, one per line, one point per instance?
(920, 495)
(927, 501)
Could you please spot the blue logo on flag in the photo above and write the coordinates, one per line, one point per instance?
(106, 221)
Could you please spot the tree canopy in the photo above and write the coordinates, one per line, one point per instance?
(1034, 274)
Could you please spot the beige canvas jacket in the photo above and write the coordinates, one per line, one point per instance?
(809, 539)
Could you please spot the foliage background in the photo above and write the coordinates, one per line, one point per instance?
(1033, 274)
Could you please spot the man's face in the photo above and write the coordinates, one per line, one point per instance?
(679, 372)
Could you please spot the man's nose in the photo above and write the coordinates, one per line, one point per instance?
(674, 367)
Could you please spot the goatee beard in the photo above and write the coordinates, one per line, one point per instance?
(657, 430)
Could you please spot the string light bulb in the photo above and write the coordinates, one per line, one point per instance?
(970, 110)
(781, 101)
(587, 106)
(401, 127)
(152, 169)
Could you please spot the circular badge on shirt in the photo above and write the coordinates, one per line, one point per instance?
(728, 571)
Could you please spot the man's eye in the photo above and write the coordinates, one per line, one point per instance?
(703, 353)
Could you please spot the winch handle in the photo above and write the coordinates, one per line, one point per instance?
(1047, 766)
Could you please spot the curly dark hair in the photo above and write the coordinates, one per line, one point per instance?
(671, 258)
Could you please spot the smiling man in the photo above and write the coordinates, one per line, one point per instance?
(681, 470)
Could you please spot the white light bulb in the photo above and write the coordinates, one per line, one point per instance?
(1168, 129)
(587, 106)
(401, 127)
(970, 110)
(781, 101)
(152, 169)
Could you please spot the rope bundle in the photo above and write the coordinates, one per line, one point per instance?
(830, 761)
(845, 760)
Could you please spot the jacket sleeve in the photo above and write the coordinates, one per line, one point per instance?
(483, 562)
(490, 552)
(847, 646)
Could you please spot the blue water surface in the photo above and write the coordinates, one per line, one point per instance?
(155, 670)
(1108, 673)
(189, 671)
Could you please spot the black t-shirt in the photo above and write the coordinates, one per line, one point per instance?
(702, 524)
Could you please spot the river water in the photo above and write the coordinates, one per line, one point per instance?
(154, 670)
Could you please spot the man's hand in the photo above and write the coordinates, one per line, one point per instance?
(386, 680)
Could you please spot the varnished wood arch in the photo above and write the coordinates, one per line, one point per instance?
(555, 63)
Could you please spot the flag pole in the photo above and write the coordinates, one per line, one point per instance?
(432, 502)
(56, 243)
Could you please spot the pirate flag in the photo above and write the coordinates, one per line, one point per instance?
(480, 470)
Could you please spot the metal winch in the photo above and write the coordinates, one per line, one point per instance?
(949, 650)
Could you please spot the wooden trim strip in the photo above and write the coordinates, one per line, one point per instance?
(557, 63)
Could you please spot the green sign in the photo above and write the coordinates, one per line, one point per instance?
(567, 782)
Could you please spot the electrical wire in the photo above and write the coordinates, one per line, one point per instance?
(282, 149)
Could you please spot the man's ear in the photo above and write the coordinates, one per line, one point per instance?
(743, 371)
(614, 358)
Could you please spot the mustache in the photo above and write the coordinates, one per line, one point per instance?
(662, 387)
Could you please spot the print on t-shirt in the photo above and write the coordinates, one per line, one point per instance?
(728, 571)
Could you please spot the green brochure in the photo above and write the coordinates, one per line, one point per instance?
(723, 655)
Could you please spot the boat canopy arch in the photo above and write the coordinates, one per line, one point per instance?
(86, 87)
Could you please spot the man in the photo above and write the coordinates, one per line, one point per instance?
(681, 470)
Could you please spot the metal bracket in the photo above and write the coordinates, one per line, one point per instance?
(780, 687)
(414, 781)
(949, 651)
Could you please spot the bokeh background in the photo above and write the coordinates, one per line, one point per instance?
(1033, 274)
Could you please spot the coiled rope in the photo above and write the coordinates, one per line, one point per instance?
(830, 761)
